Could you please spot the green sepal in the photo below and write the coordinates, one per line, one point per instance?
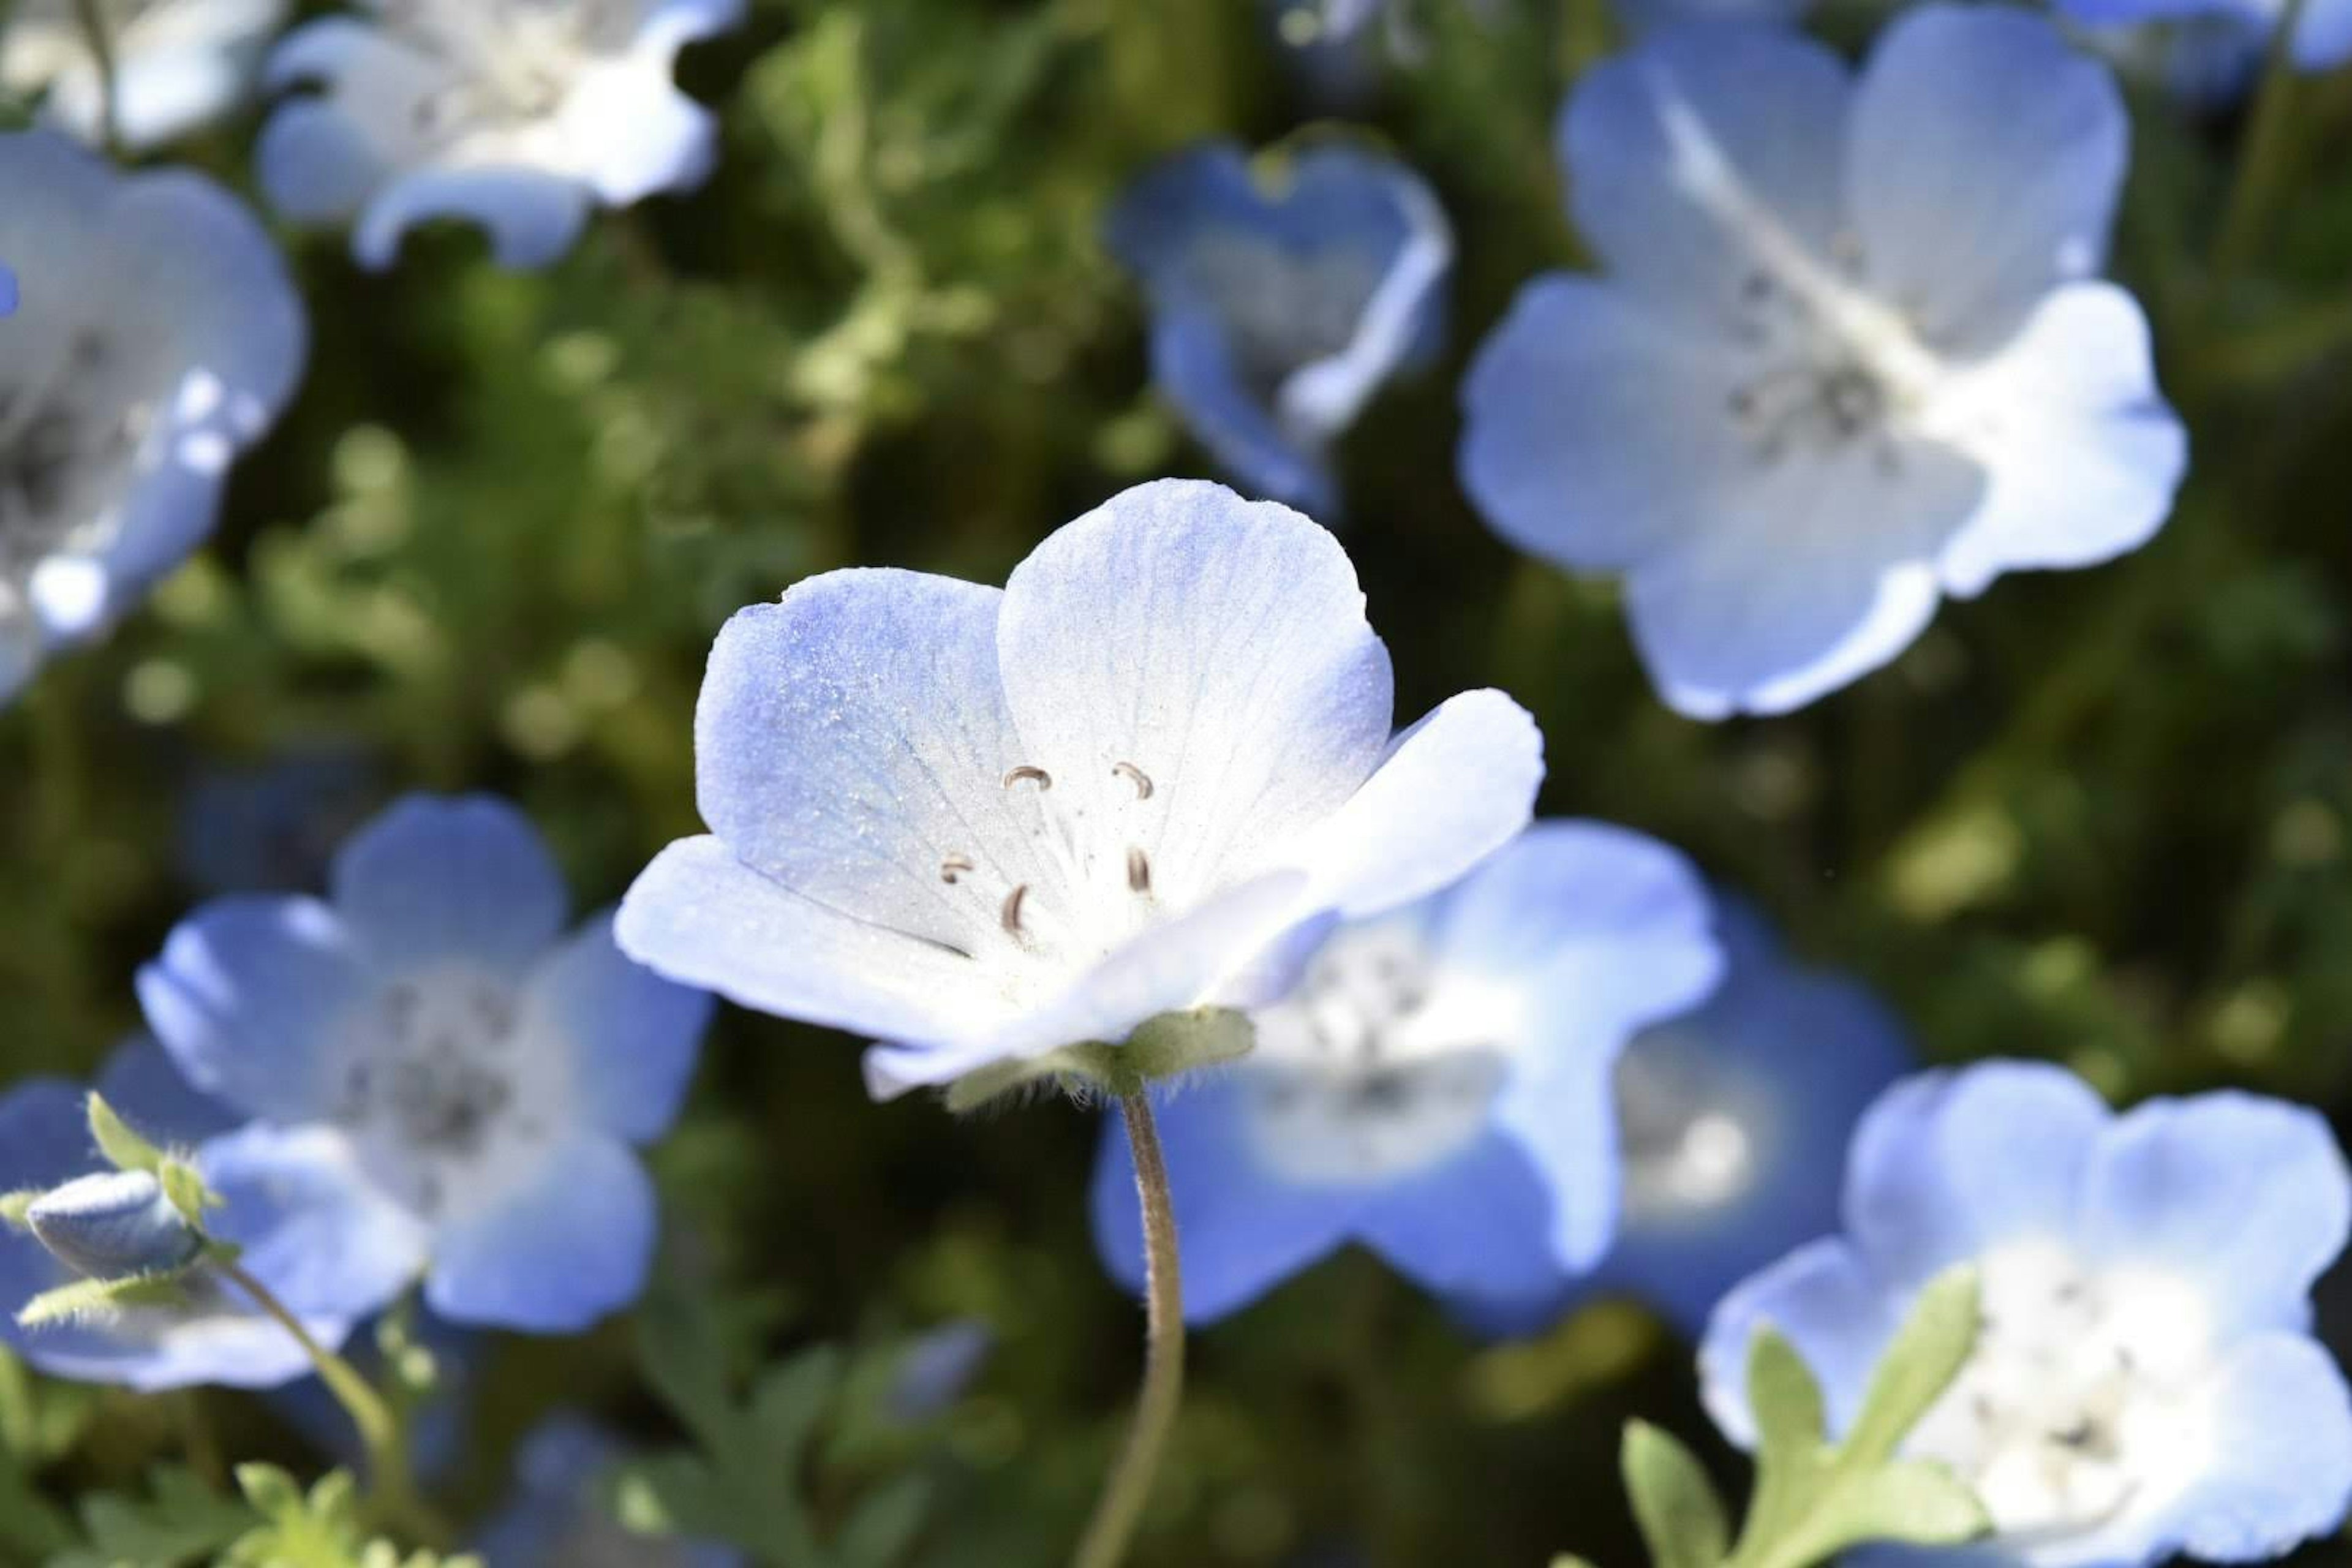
(187, 1192)
(16, 1208)
(1166, 1047)
(1927, 1353)
(86, 1300)
(1681, 1518)
(123, 1147)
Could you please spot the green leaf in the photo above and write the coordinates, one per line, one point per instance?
(790, 1401)
(1782, 1393)
(881, 1529)
(1674, 1502)
(1918, 1366)
(85, 1300)
(183, 1521)
(126, 1150)
(1915, 1502)
(272, 1492)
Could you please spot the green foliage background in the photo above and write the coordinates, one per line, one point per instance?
(2098, 817)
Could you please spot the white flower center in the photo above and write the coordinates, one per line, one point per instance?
(1689, 1142)
(1377, 1066)
(439, 1087)
(505, 62)
(69, 439)
(1087, 883)
(2083, 1400)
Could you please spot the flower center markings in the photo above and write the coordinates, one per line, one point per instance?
(506, 62)
(59, 446)
(1686, 1151)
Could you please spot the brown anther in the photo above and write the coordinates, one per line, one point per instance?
(1136, 776)
(1138, 871)
(954, 867)
(1011, 915)
(1038, 776)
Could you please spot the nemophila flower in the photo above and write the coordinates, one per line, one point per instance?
(288, 1218)
(179, 65)
(158, 336)
(1849, 355)
(981, 826)
(559, 1514)
(517, 115)
(1732, 1122)
(2322, 38)
(2143, 1382)
(1437, 1086)
(1280, 305)
(475, 1078)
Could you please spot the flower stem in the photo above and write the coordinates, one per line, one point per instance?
(101, 54)
(1105, 1542)
(2263, 166)
(380, 1432)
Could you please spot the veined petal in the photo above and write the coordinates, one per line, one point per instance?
(436, 878)
(1984, 166)
(1483, 1222)
(632, 1036)
(1217, 645)
(312, 1225)
(560, 1251)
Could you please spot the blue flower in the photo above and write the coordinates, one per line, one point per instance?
(159, 336)
(179, 65)
(2207, 61)
(2322, 38)
(558, 1515)
(476, 1077)
(289, 1219)
(1278, 309)
(1437, 1088)
(2145, 1382)
(981, 826)
(516, 115)
(1732, 1123)
(1850, 355)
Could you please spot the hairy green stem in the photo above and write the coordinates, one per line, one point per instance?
(1105, 1543)
(392, 1486)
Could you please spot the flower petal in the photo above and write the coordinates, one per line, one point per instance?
(440, 877)
(632, 1037)
(244, 995)
(148, 1090)
(1217, 645)
(1948, 1163)
(1683, 153)
(1985, 161)
(1452, 789)
(531, 216)
(315, 165)
(852, 741)
(2249, 1196)
(631, 133)
(1827, 1303)
(700, 916)
(1240, 1229)
(2081, 455)
(1193, 365)
(564, 1250)
(2282, 1447)
(1484, 1222)
(312, 1227)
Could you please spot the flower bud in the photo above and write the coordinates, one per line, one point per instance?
(112, 1225)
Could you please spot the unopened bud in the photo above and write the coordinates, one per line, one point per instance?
(114, 1224)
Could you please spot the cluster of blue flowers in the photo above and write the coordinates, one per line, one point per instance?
(1144, 822)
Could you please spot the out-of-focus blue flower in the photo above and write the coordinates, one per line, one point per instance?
(2207, 61)
(1732, 1123)
(288, 1221)
(2322, 38)
(179, 65)
(517, 115)
(935, 1368)
(158, 336)
(559, 1516)
(981, 826)
(1279, 307)
(476, 1077)
(2143, 1382)
(274, 826)
(1437, 1088)
(1850, 354)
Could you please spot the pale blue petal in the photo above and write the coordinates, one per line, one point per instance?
(1193, 365)
(312, 1226)
(2249, 1196)
(636, 134)
(1218, 645)
(1481, 1222)
(1673, 148)
(315, 165)
(2081, 455)
(633, 1036)
(436, 878)
(1985, 163)
(43, 1138)
(147, 1090)
(1828, 1303)
(1596, 430)
(531, 216)
(1242, 1228)
(243, 996)
(1947, 1164)
(1819, 572)
(571, 1246)
(2283, 1448)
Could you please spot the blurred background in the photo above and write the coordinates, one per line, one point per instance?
(2097, 816)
